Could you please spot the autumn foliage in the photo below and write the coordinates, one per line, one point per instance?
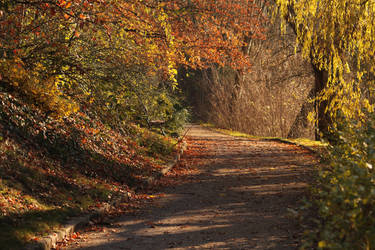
(338, 37)
(78, 80)
(94, 50)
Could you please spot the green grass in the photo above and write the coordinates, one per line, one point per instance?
(16, 229)
(308, 142)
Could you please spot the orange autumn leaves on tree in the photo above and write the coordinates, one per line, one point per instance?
(67, 41)
(194, 32)
(201, 32)
(216, 32)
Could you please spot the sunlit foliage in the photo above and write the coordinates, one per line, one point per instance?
(345, 194)
(338, 36)
(114, 52)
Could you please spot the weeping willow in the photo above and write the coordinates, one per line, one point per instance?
(338, 37)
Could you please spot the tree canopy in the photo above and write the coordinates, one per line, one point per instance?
(57, 51)
(338, 36)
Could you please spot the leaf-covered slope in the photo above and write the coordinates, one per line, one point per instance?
(51, 168)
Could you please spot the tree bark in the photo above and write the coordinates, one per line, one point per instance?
(323, 119)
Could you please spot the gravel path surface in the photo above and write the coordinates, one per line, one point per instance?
(239, 199)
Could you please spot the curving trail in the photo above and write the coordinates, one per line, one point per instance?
(238, 199)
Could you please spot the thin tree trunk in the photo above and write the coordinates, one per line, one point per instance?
(323, 119)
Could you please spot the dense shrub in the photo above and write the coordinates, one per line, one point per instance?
(346, 191)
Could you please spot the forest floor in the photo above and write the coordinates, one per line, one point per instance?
(234, 193)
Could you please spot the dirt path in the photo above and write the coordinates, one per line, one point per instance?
(239, 200)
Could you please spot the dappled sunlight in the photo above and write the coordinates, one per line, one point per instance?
(240, 199)
(268, 189)
(181, 229)
(249, 169)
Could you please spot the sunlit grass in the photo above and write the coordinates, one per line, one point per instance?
(299, 141)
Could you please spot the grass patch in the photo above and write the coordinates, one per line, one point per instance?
(17, 229)
(308, 142)
(312, 144)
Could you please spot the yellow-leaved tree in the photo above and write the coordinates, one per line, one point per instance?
(338, 36)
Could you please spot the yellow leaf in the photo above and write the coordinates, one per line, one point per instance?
(322, 244)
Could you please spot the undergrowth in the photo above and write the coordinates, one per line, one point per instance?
(344, 197)
(54, 168)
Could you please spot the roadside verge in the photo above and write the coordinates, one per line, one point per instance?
(74, 224)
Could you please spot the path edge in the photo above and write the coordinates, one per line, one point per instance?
(310, 149)
(181, 148)
(74, 224)
(50, 241)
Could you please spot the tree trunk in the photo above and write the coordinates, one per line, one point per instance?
(323, 119)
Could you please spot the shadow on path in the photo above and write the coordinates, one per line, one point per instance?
(240, 200)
